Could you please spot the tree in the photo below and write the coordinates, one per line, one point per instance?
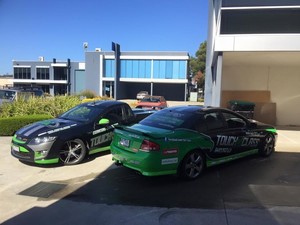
(197, 65)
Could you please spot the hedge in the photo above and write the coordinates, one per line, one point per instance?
(8, 126)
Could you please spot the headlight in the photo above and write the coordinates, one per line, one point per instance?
(41, 140)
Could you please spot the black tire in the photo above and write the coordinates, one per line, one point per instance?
(192, 165)
(268, 146)
(73, 152)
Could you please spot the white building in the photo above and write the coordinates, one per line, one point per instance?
(253, 54)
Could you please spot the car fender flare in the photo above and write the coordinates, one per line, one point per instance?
(193, 149)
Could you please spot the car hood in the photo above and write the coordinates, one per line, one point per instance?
(261, 125)
(46, 127)
(149, 104)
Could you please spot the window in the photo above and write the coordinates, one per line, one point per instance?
(135, 68)
(200, 125)
(213, 121)
(244, 3)
(169, 120)
(22, 73)
(128, 112)
(79, 81)
(115, 115)
(60, 73)
(42, 73)
(109, 68)
(258, 21)
(233, 121)
(169, 69)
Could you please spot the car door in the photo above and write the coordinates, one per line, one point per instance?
(226, 139)
(239, 125)
(236, 127)
(102, 134)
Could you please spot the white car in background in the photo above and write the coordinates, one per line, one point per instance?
(141, 95)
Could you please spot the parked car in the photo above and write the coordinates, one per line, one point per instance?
(83, 130)
(141, 95)
(153, 102)
(13, 93)
(184, 140)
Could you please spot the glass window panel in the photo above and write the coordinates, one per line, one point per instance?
(79, 81)
(47, 74)
(162, 69)
(148, 69)
(260, 21)
(135, 68)
(123, 68)
(182, 69)
(169, 69)
(156, 69)
(176, 69)
(128, 69)
(142, 69)
(109, 69)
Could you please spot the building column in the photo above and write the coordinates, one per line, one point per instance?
(217, 82)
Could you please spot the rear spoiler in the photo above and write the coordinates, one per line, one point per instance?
(137, 132)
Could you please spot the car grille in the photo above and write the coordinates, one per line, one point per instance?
(22, 155)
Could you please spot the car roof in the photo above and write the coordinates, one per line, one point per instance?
(154, 96)
(9, 90)
(195, 108)
(104, 103)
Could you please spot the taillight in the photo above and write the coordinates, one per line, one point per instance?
(148, 146)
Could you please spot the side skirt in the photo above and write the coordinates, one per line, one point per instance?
(213, 162)
(99, 150)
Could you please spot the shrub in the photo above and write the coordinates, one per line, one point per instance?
(88, 94)
(8, 126)
(52, 106)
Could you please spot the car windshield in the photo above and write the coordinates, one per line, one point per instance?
(168, 119)
(83, 113)
(5, 94)
(151, 99)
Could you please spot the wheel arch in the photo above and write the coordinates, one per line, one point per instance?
(180, 163)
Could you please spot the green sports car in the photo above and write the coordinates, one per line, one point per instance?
(184, 140)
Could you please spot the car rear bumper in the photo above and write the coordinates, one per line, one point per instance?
(144, 163)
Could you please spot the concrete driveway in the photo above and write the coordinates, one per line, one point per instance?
(253, 190)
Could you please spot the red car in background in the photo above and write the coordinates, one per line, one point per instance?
(153, 102)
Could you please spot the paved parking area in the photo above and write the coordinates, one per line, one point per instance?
(250, 191)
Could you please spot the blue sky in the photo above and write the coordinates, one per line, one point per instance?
(58, 28)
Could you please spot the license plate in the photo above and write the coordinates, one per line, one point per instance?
(15, 148)
(124, 142)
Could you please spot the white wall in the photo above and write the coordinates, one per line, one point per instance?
(258, 42)
(282, 82)
(284, 85)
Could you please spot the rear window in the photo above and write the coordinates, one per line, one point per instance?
(169, 120)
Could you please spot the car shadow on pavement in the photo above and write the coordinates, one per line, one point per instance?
(232, 184)
(252, 183)
(87, 159)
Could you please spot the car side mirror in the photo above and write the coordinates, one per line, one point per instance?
(103, 121)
